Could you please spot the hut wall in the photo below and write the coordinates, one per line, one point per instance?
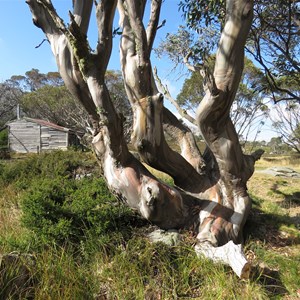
(53, 139)
(28, 136)
(24, 136)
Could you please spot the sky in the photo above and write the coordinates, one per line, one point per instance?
(19, 38)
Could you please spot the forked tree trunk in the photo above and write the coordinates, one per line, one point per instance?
(210, 191)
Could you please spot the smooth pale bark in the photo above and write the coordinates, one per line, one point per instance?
(229, 254)
(234, 169)
(185, 140)
(61, 49)
(147, 103)
(210, 192)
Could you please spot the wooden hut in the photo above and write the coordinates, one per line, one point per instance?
(32, 135)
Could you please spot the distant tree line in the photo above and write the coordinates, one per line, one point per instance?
(44, 96)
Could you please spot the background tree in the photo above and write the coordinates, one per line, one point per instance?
(44, 96)
(114, 82)
(249, 108)
(276, 145)
(9, 99)
(13, 89)
(55, 104)
(273, 40)
(34, 79)
(212, 197)
(50, 100)
(286, 122)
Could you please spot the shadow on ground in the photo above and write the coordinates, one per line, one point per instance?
(290, 200)
(264, 229)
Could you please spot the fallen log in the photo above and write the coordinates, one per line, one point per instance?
(229, 254)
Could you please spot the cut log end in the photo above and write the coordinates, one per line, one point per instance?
(229, 254)
(245, 272)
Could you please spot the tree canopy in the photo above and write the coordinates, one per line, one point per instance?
(273, 40)
(286, 122)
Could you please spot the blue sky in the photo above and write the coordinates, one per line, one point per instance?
(19, 37)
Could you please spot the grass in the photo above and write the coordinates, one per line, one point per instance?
(121, 263)
(292, 161)
(274, 228)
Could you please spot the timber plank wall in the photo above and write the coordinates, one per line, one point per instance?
(30, 135)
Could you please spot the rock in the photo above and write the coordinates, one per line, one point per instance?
(81, 176)
(281, 171)
(169, 237)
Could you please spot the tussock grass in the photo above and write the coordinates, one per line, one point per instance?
(110, 257)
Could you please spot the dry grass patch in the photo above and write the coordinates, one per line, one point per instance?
(292, 161)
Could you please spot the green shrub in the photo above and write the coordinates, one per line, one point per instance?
(56, 207)
(66, 210)
(3, 138)
(4, 154)
(46, 165)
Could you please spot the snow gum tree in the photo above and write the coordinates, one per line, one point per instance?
(210, 191)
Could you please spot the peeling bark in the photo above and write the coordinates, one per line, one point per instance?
(214, 198)
(234, 169)
(147, 103)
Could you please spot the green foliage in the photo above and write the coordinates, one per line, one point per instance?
(56, 104)
(286, 122)
(64, 210)
(185, 43)
(192, 91)
(59, 208)
(248, 110)
(3, 141)
(34, 79)
(196, 11)
(296, 133)
(83, 246)
(49, 99)
(9, 98)
(46, 165)
(275, 35)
